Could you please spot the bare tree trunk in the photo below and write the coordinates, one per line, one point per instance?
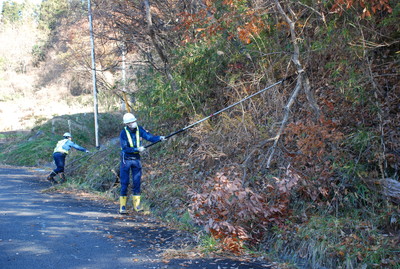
(302, 82)
(296, 61)
(158, 46)
(285, 117)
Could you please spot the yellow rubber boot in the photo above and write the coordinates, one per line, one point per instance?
(136, 203)
(122, 204)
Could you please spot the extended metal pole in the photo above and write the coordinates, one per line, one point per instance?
(218, 112)
(95, 104)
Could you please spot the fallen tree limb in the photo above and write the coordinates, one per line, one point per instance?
(302, 82)
(285, 117)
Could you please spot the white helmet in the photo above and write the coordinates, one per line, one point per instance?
(128, 118)
(67, 135)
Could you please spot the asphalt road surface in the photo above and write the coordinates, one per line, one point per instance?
(41, 229)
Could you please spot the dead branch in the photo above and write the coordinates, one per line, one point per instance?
(295, 59)
(157, 46)
(285, 117)
(322, 15)
(302, 81)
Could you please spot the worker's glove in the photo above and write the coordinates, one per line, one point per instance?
(162, 138)
(87, 151)
(140, 149)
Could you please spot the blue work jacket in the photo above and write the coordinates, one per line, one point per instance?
(65, 145)
(128, 152)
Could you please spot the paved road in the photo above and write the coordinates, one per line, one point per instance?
(40, 229)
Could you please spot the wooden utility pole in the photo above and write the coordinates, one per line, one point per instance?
(123, 77)
(125, 103)
(95, 104)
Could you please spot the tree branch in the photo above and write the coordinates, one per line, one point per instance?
(302, 81)
(285, 117)
(157, 46)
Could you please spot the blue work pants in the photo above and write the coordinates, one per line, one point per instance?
(59, 159)
(126, 167)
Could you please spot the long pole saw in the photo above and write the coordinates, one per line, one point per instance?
(218, 112)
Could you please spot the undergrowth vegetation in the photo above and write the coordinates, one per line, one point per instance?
(321, 198)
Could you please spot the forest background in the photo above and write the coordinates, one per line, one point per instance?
(307, 171)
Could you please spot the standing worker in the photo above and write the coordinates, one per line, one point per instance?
(60, 153)
(130, 159)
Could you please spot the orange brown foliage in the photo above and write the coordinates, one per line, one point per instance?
(312, 147)
(368, 6)
(235, 214)
(207, 25)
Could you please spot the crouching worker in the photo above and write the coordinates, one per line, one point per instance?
(60, 153)
(130, 137)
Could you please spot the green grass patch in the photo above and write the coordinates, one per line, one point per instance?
(346, 241)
